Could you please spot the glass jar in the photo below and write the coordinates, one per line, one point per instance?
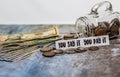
(97, 24)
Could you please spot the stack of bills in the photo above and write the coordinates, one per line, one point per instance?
(15, 47)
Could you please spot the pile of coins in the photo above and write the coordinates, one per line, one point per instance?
(50, 52)
(105, 28)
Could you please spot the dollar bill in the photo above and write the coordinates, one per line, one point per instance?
(17, 55)
(41, 34)
(28, 44)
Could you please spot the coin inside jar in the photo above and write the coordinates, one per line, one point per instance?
(46, 49)
(115, 21)
(93, 48)
(106, 24)
(48, 54)
(100, 31)
(114, 27)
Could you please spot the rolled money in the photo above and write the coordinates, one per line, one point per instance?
(50, 32)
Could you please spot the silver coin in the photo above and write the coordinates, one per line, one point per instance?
(80, 50)
(46, 49)
(58, 51)
(70, 51)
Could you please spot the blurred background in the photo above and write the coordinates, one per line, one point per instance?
(46, 11)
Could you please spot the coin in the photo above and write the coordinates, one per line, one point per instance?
(69, 36)
(114, 21)
(102, 24)
(107, 24)
(93, 48)
(49, 54)
(114, 27)
(46, 49)
(100, 31)
(80, 50)
(58, 51)
(70, 51)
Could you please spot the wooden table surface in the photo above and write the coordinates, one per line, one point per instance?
(104, 62)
